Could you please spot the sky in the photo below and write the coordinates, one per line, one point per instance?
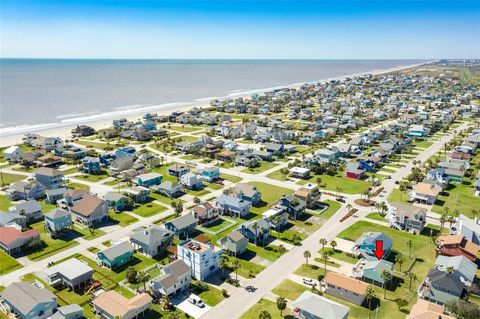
(195, 29)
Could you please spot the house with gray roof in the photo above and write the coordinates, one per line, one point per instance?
(50, 178)
(169, 189)
(313, 306)
(116, 255)
(256, 231)
(28, 301)
(54, 195)
(442, 287)
(175, 277)
(232, 205)
(463, 268)
(151, 241)
(58, 221)
(234, 243)
(9, 219)
(468, 227)
(73, 311)
(71, 273)
(31, 209)
(247, 192)
(182, 226)
(23, 190)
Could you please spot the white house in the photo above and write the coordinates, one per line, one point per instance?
(203, 259)
(191, 180)
(175, 277)
(13, 153)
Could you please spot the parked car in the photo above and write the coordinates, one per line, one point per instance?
(197, 301)
(308, 281)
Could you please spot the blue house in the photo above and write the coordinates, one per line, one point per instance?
(292, 205)
(234, 206)
(148, 125)
(126, 151)
(370, 270)
(149, 180)
(256, 231)
(210, 174)
(368, 163)
(58, 221)
(367, 243)
(417, 131)
(182, 226)
(91, 165)
(116, 201)
(116, 256)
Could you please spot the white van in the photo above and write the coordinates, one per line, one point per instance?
(196, 300)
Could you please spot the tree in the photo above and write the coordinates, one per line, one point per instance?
(178, 208)
(223, 263)
(412, 277)
(402, 189)
(296, 239)
(236, 266)
(443, 219)
(369, 294)
(281, 249)
(281, 304)
(173, 315)
(131, 274)
(264, 315)
(323, 242)
(409, 245)
(324, 255)
(255, 228)
(319, 181)
(399, 259)
(386, 277)
(196, 200)
(307, 255)
(450, 270)
(401, 303)
(143, 277)
(333, 243)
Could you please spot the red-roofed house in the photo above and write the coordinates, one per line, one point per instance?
(13, 240)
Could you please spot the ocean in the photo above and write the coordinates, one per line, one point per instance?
(47, 93)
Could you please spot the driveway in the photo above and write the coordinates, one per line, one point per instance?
(182, 303)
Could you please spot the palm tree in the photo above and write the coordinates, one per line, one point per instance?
(281, 304)
(409, 245)
(412, 277)
(325, 260)
(443, 219)
(323, 242)
(402, 189)
(223, 263)
(475, 213)
(264, 315)
(399, 259)
(319, 181)
(143, 277)
(386, 276)
(333, 243)
(255, 228)
(349, 208)
(236, 266)
(369, 294)
(262, 230)
(450, 270)
(307, 255)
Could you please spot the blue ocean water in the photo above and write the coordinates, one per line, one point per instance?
(37, 93)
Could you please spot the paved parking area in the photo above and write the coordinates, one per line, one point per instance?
(182, 303)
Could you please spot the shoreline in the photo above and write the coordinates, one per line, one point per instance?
(63, 129)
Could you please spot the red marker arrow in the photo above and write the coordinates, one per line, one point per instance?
(379, 251)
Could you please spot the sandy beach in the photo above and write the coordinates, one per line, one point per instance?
(64, 130)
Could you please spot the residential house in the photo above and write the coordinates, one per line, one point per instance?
(31, 209)
(300, 172)
(91, 165)
(148, 160)
(83, 130)
(366, 244)
(210, 174)
(115, 256)
(149, 180)
(476, 186)
(27, 301)
(325, 156)
(50, 178)
(14, 220)
(14, 241)
(275, 148)
(23, 190)
(116, 201)
(463, 268)
(151, 241)
(226, 156)
(247, 192)
(89, 210)
(138, 193)
(182, 226)
(456, 245)
(191, 181)
(308, 193)
(343, 287)
(72, 273)
(442, 287)
(407, 217)
(54, 195)
(72, 311)
(256, 231)
(293, 206)
(417, 132)
(277, 217)
(112, 304)
(371, 269)
(232, 205)
(424, 309)
(58, 221)
(175, 277)
(169, 189)
(234, 243)
(312, 306)
(120, 164)
(203, 259)
(425, 193)
(354, 170)
(13, 153)
(468, 228)
(205, 213)
(177, 170)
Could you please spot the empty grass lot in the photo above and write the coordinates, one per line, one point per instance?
(49, 246)
(7, 178)
(8, 263)
(91, 177)
(333, 183)
(262, 167)
(270, 194)
(270, 306)
(4, 203)
(149, 209)
(333, 207)
(123, 219)
(289, 289)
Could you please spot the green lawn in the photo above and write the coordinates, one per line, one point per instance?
(376, 216)
(289, 289)
(262, 167)
(270, 252)
(218, 225)
(458, 196)
(270, 195)
(185, 128)
(49, 246)
(310, 271)
(333, 183)
(340, 255)
(4, 203)
(211, 296)
(70, 170)
(93, 178)
(246, 268)
(287, 235)
(8, 263)
(123, 219)
(7, 178)
(97, 145)
(230, 178)
(277, 175)
(89, 234)
(397, 196)
(79, 186)
(306, 222)
(149, 209)
(269, 306)
(423, 144)
(333, 207)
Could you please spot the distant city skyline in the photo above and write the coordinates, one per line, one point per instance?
(240, 29)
